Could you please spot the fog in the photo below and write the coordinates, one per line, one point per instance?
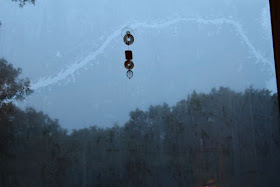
(73, 53)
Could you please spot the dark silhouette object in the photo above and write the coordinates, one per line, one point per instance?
(128, 55)
(129, 64)
(128, 39)
(275, 19)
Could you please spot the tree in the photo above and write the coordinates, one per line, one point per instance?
(23, 2)
(11, 86)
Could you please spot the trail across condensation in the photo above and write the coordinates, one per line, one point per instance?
(70, 70)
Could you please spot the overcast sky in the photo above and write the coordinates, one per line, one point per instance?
(73, 53)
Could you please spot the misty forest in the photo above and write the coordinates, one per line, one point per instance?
(202, 109)
(222, 138)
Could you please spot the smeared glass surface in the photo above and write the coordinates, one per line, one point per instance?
(73, 53)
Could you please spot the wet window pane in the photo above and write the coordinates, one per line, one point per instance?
(200, 107)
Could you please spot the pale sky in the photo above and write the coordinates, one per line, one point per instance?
(73, 53)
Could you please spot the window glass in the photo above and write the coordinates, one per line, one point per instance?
(200, 110)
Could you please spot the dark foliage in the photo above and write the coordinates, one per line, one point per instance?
(222, 138)
(11, 86)
(225, 137)
(23, 2)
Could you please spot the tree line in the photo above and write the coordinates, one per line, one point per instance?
(220, 138)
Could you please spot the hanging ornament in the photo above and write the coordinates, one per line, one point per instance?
(128, 38)
(127, 30)
(128, 55)
(129, 64)
(129, 74)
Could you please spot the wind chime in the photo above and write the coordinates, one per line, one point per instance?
(128, 39)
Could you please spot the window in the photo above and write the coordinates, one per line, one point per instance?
(200, 110)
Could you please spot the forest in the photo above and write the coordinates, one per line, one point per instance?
(220, 138)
